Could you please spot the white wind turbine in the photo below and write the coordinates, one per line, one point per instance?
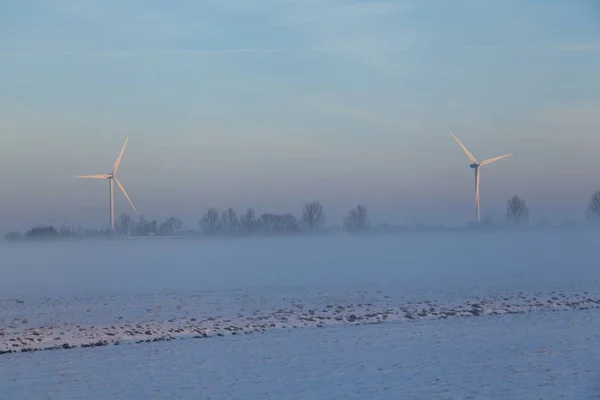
(476, 165)
(112, 177)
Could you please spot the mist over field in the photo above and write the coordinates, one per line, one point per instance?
(471, 314)
(418, 261)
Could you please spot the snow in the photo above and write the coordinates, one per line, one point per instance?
(537, 355)
(61, 324)
(419, 316)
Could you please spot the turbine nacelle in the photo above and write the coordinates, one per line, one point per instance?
(474, 166)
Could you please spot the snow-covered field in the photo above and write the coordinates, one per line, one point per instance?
(533, 356)
(510, 315)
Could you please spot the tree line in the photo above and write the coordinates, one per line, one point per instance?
(517, 212)
(217, 222)
(214, 222)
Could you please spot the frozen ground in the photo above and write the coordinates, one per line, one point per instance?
(429, 302)
(63, 323)
(533, 356)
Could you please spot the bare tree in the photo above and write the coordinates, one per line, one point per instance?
(357, 220)
(210, 222)
(176, 224)
(267, 222)
(14, 235)
(593, 211)
(42, 232)
(313, 215)
(145, 227)
(171, 226)
(125, 225)
(248, 221)
(517, 212)
(279, 223)
(289, 223)
(229, 220)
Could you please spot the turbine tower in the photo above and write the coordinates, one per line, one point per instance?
(476, 165)
(113, 177)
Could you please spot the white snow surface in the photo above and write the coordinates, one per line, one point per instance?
(523, 356)
(54, 324)
(505, 315)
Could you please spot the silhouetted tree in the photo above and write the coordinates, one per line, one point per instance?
(279, 223)
(230, 221)
(517, 212)
(152, 227)
(210, 222)
(593, 211)
(14, 235)
(313, 215)
(171, 226)
(42, 232)
(124, 225)
(289, 223)
(357, 219)
(145, 227)
(267, 222)
(102, 232)
(248, 221)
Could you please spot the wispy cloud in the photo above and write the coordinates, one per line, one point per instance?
(577, 47)
(146, 52)
(581, 117)
(16, 107)
(340, 51)
(367, 33)
(75, 7)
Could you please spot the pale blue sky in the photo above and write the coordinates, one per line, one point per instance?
(272, 103)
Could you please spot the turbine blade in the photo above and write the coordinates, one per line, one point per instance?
(118, 162)
(102, 176)
(491, 160)
(126, 196)
(467, 152)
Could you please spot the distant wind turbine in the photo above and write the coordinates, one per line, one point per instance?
(476, 165)
(112, 177)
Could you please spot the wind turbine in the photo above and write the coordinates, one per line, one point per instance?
(476, 165)
(112, 177)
